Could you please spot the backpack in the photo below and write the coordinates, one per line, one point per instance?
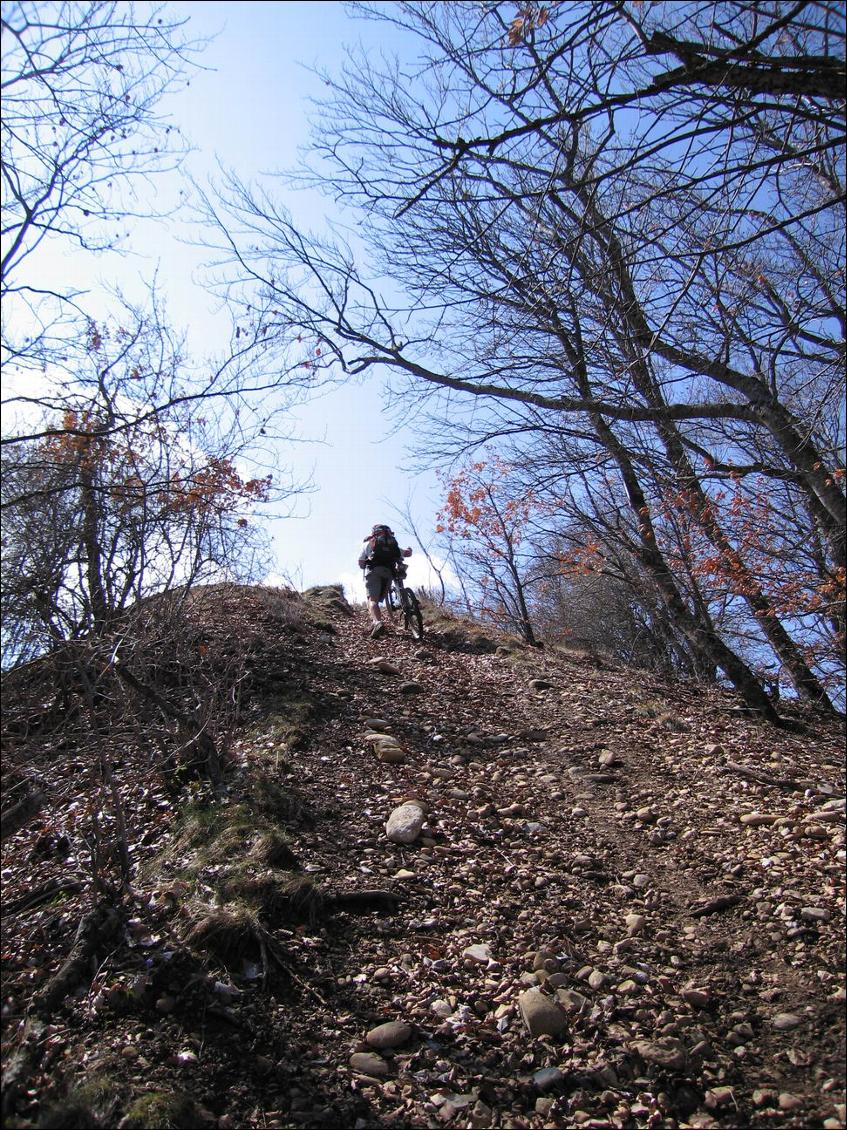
(383, 549)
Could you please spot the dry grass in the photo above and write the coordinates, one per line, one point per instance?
(277, 897)
(272, 849)
(229, 932)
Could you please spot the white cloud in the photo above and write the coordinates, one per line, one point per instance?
(354, 586)
(422, 575)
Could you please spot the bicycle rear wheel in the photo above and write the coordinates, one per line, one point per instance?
(412, 618)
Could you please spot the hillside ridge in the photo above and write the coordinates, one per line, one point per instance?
(625, 907)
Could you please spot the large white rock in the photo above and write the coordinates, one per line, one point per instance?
(404, 824)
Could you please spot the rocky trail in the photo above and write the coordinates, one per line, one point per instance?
(622, 906)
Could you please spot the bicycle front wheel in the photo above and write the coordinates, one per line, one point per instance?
(412, 618)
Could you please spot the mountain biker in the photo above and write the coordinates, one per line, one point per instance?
(379, 558)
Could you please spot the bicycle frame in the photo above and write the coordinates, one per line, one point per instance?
(402, 599)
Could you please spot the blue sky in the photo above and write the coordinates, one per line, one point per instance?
(248, 110)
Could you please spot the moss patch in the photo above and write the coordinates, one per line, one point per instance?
(277, 803)
(163, 1110)
(288, 713)
(86, 1107)
(213, 835)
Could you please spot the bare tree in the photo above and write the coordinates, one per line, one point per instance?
(623, 227)
(81, 133)
(113, 499)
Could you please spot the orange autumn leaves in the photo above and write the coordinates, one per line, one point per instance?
(728, 542)
(526, 21)
(485, 510)
(132, 472)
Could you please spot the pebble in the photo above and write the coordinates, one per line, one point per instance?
(740, 1034)
(646, 815)
(540, 959)
(478, 953)
(826, 816)
(785, 1021)
(367, 1063)
(540, 1015)
(635, 923)
(557, 980)
(512, 810)
(666, 1052)
(572, 1001)
(815, 914)
(697, 998)
(764, 1097)
(389, 1035)
(719, 1097)
(442, 1008)
(548, 1078)
(789, 1102)
(390, 755)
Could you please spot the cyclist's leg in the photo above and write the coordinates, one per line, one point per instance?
(375, 584)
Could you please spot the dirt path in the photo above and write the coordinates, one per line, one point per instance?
(535, 843)
(584, 839)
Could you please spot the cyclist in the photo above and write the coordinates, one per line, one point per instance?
(379, 558)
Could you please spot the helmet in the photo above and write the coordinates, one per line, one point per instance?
(381, 528)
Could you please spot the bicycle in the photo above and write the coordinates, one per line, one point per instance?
(404, 600)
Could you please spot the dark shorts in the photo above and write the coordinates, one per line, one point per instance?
(377, 580)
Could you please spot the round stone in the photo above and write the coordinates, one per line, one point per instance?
(389, 1035)
(367, 1063)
